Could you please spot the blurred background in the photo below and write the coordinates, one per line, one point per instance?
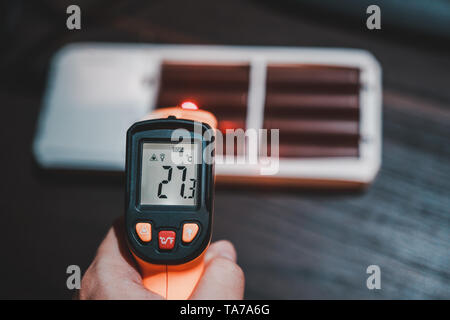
(292, 244)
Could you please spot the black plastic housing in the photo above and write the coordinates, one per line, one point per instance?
(167, 217)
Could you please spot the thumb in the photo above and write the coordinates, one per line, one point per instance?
(222, 279)
(113, 273)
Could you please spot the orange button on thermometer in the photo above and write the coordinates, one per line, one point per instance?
(189, 232)
(144, 231)
(171, 185)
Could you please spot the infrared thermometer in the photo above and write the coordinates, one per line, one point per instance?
(170, 197)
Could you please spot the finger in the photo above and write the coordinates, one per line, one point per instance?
(116, 270)
(114, 250)
(222, 278)
(222, 248)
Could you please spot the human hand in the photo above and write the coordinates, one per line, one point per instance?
(114, 274)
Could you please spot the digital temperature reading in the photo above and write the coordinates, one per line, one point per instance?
(169, 174)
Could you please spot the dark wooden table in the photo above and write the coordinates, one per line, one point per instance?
(291, 244)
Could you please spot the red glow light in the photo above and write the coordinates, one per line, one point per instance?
(188, 105)
(227, 124)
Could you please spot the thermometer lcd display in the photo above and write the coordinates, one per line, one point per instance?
(169, 174)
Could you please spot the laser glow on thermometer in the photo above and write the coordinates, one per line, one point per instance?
(188, 105)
